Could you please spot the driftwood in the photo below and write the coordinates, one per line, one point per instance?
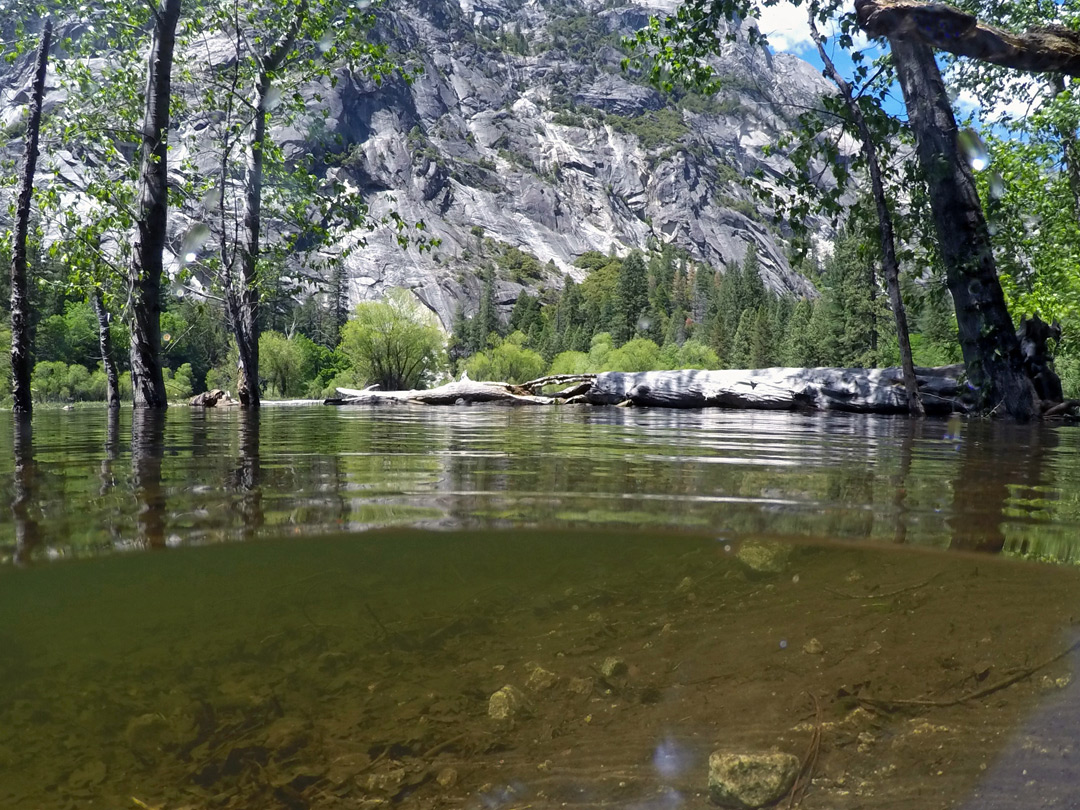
(462, 392)
(843, 389)
(212, 399)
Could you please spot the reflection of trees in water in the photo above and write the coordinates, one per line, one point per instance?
(1002, 478)
(27, 534)
(246, 473)
(107, 476)
(147, 449)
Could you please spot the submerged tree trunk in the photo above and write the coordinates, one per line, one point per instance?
(147, 260)
(108, 361)
(20, 292)
(889, 263)
(987, 336)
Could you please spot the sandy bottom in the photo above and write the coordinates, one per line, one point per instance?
(356, 672)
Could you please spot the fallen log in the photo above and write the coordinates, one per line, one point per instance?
(841, 389)
(856, 390)
(461, 392)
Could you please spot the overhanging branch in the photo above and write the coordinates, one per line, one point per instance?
(1049, 49)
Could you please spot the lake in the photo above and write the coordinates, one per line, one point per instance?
(487, 607)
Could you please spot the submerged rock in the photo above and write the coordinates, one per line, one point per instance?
(541, 679)
(813, 647)
(748, 781)
(762, 557)
(613, 667)
(507, 704)
(147, 735)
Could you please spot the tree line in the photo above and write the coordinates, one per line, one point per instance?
(663, 310)
(170, 120)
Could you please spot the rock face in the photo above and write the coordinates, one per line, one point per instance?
(524, 129)
(749, 781)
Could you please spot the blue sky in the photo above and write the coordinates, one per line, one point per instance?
(788, 32)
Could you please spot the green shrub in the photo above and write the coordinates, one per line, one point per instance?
(507, 361)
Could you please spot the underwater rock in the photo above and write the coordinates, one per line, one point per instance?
(507, 704)
(146, 735)
(447, 777)
(749, 781)
(761, 557)
(580, 686)
(613, 667)
(540, 678)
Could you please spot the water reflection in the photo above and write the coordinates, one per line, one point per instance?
(247, 473)
(194, 477)
(147, 456)
(27, 535)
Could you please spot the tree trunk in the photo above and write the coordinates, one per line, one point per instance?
(20, 293)
(147, 259)
(246, 315)
(108, 361)
(987, 336)
(886, 232)
(246, 298)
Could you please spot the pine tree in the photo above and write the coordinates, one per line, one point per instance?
(631, 297)
(796, 350)
(486, 321)
(752, 288)
(661, 282)
(761, 351)
(460, 336)
(741, 345)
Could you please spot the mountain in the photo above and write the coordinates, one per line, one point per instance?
(523, 130)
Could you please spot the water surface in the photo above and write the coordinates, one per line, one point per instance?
(91, 485)
(212, 610)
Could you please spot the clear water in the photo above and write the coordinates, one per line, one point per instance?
(214, 610)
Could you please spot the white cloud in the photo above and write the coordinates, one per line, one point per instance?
(1025, 94)
(786, 27)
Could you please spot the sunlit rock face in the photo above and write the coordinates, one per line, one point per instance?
(523, 124)
(501, 132)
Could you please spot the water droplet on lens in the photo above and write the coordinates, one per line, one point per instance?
(973, 149)
(643, 324)
(273, 98)
(326, 41)
(783, 644)
(992, 228)
(196, 236)
(997, 186)
(211, 199)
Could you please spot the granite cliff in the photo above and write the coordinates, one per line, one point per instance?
(524, 129)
